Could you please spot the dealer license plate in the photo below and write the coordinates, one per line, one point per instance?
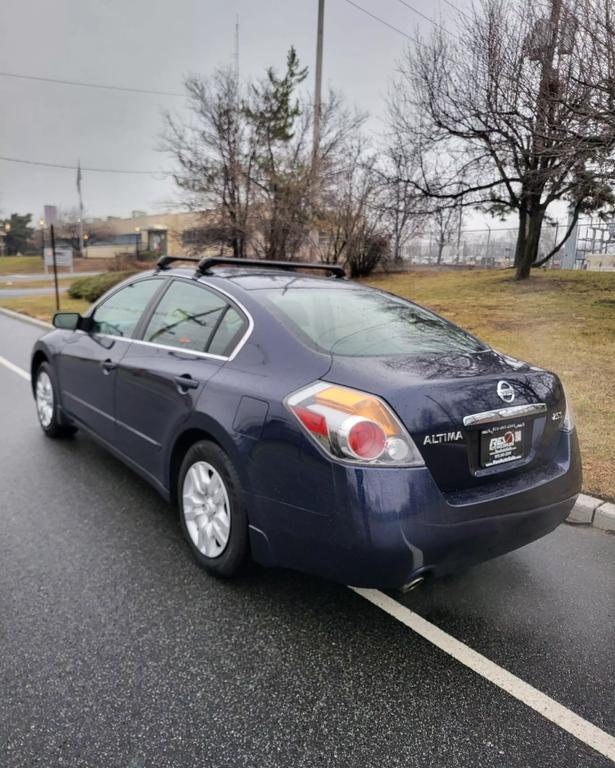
(503, 443)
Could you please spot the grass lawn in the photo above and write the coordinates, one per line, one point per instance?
(43, 307)
(26, 265)
(561, 320)
(20, 265)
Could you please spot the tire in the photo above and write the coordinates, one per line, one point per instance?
(46, 398)
(212, 513)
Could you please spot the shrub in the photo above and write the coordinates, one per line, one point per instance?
(365, 252)
(91, 288)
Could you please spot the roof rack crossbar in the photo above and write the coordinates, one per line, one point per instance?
(165, 261)
(211, 261)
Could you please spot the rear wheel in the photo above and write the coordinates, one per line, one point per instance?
(45, 394)
(212, 514)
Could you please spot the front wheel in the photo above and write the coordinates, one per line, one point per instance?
(45, 394)
(212, 513)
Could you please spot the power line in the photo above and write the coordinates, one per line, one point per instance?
(424, 16)
(456, 8)
(382, 21)
(67, 167)
(80, 84)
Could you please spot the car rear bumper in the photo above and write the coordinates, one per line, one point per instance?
(390, 525)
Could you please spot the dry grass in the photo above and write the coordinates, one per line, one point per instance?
(27, 265)
(43, 307)
(20, 265)
(560, 320)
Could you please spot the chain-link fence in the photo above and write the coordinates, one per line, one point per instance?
(591, 245)
(488, 247)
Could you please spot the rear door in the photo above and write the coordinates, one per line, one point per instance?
(183, 342)
(88, 364)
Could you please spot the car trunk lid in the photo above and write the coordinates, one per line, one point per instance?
(436, 397)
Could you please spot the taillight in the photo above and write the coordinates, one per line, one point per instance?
(353, 425)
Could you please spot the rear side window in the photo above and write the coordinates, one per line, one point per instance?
(231, 328)
(120, 313)
(189, 316)
(365, 323)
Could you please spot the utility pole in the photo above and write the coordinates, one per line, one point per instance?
(318, 85)
(55, 267)
(315, 182)
(237, 49)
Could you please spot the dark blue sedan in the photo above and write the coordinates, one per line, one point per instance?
(312, 422)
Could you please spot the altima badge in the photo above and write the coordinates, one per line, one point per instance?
(505, 392)
(442, 437)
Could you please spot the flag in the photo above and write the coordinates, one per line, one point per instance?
(79, 184)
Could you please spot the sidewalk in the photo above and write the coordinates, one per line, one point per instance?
(49, 276)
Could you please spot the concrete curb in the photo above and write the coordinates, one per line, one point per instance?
(587, 510)
(591, 511)
(25, 318)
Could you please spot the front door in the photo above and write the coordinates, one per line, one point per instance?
(89, 360)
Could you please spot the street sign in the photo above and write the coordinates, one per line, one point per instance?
(51, 214)
(64, 257)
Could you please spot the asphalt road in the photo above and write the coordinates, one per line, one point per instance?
(116, 650)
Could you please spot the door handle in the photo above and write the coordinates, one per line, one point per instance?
(185, 382)
(108, 366)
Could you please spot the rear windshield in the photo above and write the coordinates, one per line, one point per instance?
(365, 323)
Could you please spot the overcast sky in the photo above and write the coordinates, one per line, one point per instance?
(152, 45)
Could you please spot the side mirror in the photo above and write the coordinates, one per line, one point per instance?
(67, 321)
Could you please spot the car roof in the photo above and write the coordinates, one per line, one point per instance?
(253, 278)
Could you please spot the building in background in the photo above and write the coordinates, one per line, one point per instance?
(165, 234)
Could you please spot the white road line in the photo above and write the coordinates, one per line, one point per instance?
(581, 729)
(15, 368)
(550, 709)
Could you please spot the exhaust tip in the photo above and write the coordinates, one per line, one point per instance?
(412, 584)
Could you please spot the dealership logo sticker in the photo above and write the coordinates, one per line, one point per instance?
(508, 439)
(505, 391)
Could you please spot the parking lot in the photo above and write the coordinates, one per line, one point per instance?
(117, 650)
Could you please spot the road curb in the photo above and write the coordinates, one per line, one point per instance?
(588, 510)
(25, 318)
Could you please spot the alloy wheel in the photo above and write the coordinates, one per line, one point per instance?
(44, 399)
(206, 509)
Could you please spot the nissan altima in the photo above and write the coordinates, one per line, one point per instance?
(313, 422)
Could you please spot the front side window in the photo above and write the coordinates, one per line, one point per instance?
(120, 313)
(188, 316)
(363, 322)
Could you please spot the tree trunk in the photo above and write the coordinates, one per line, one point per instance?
(521, 237)
(527, 247)
(441, 245)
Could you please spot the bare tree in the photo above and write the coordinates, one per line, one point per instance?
(403, 209)
(215, 153)
(445, 221)
(67, 226)
(515, 114)
(351, 224)
(245, 161)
